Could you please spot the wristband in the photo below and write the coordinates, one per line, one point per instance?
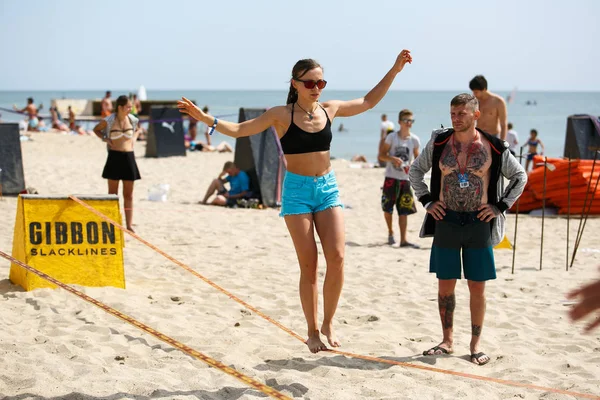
(214, 125)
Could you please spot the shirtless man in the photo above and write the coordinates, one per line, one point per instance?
(492, 107)
(32, 112)
(465, 212)
(107, 106)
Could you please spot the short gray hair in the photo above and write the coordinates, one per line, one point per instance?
(465, 99)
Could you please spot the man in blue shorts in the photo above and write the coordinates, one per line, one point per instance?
(465, 212)
(239, 183)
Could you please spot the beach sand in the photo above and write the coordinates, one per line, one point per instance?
(54, 345)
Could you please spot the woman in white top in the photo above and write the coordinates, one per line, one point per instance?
(119, 131)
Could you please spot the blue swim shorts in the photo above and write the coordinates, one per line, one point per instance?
(462, 232)
(309, 194)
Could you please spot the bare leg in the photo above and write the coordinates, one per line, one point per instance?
(301, 229)
(215, 186)
(330, 227)
(113, 187)
(219, 200)
(128, 203)
(388, 221)
(477, 303)
(446, 305)
(224, 147)
(403, 222)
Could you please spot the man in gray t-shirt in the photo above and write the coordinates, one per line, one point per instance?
(398, 151)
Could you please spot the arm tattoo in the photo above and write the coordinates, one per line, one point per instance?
(447, 304)
(476, 330)
(462, 199)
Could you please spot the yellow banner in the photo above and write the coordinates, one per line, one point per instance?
(59, 237)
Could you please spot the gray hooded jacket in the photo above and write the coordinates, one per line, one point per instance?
(504, 164)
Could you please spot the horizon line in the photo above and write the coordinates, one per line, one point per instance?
(283, 90)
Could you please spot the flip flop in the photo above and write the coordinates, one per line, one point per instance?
(434, 349)
(477, 356)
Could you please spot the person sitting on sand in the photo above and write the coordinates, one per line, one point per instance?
(56, 122)
(222, 147)
(359, 158)
(239, 183)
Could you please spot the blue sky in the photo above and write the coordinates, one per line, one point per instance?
(72, 44)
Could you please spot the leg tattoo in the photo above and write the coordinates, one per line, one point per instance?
(447, 304)
(476, 330)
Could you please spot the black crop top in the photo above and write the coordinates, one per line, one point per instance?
(298, 141)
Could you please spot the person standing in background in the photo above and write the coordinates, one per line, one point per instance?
(398, 151)
(492, 107)
(106, 105)
(512, 137)
(387, 127)
(119, 131)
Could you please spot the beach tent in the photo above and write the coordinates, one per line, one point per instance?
(261, 156)
(11, 160)
(165, 133)
(583, 136)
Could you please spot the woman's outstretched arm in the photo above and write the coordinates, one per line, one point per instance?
(233, 129)
(357, 106)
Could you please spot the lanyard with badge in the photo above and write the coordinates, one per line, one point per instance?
(463, 176)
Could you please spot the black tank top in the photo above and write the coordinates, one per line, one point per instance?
(298, 141)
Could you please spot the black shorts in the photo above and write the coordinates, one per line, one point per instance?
(462, 240)
(397, 192)
(121, 166)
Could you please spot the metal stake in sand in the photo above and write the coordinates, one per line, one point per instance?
(543, 211)
(516, 221)
(587, 214)
(577, 238)
(568, 209)
(547, 167)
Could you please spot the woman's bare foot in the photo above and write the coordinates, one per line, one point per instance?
(314, 343)
(130, 228)
(327, 330)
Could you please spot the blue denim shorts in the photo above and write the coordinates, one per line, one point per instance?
(309, 194)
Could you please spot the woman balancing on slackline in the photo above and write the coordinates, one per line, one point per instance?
(310, 197)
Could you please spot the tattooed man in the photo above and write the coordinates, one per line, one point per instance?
(465, 206)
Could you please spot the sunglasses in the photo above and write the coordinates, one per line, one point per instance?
(408, 121)
(310, 84)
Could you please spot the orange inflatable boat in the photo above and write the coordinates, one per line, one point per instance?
(583, 183)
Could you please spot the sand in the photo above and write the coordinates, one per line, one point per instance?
(53, 345)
